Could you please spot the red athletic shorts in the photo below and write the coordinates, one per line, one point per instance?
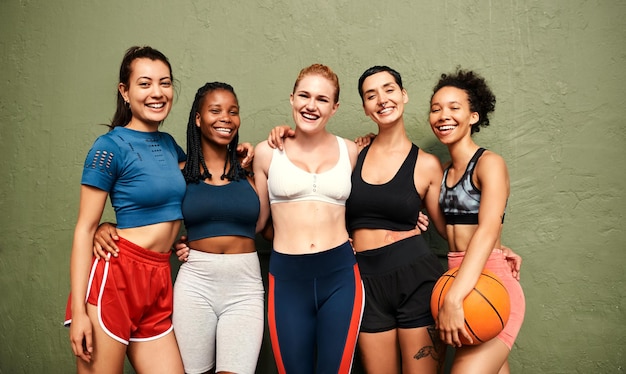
(133, 293)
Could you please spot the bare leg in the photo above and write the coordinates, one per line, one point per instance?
(156, 356)
(485, 358)
(108, 354)
(421, 349)
(379, 351)
(505, 369)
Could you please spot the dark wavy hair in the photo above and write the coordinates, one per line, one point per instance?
(195, 169)
(123, 114)
(377, 69)
(480, 97)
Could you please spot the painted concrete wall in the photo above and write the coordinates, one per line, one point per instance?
(558, 69)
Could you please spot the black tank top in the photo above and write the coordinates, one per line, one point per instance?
(394, 205)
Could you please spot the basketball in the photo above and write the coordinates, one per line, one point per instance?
(486, 307)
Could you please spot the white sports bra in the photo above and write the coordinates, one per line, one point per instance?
(287, 183)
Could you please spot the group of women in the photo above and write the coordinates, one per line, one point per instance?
(348, 262)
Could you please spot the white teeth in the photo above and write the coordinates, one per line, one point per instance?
(386, 110)
(309, 116)
(157, 106)
(445, 128)
(224, 130)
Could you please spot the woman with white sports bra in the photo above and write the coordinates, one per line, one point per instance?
(315, 295)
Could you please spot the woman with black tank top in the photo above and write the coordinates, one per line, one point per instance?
(391, 183)
(474, 194)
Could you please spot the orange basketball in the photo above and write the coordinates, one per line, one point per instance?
(486, 308)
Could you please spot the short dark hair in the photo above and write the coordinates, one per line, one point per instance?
(378, 69)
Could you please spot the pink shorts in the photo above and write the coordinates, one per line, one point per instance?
(498, 264)
(133, 293)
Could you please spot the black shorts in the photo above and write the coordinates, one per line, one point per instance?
(398, 279)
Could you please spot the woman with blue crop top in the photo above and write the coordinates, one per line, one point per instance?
(474, 194)
(124, 306)
(315, 295)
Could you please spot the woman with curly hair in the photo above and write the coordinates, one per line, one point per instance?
(473, 198)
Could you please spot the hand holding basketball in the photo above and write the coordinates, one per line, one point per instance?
(483, 314)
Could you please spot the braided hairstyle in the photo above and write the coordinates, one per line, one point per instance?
(195, 159)
(481, 99)
(123, 114)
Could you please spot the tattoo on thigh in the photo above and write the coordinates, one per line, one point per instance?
(436, 350)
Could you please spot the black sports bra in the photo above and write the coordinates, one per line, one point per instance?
(394, 205)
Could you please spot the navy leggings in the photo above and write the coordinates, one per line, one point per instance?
(315, 303)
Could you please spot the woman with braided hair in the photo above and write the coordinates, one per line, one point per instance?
(218, 295)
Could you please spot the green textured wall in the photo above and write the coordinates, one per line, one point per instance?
(558, 69)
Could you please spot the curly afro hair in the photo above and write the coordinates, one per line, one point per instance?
(481, 99)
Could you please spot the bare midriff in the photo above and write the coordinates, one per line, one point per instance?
(305, 227)
(459, 237)
(366, 239)
(158, 237)
(224, 245)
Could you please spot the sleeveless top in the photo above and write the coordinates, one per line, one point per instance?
(287, 183)
(228, 210)
(394, 205)
(460, 203)
(140, 171)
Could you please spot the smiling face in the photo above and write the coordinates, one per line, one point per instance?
(218, 117)
(383, 98)
(450, 116)
(149, 93)
(313, 103)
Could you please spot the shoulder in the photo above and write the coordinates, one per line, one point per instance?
(262, 148)
(352, 148)
(491, 166)
(489, 160)
(168, 136)
(263, 154)
(428, 160)
(108, 141)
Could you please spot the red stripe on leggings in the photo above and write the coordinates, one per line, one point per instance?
(271, 320)
(355, 323)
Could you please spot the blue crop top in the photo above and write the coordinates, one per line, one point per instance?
(210, 211)
(140, 171)
(394, 205)
(461, 202)
(288, 183)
